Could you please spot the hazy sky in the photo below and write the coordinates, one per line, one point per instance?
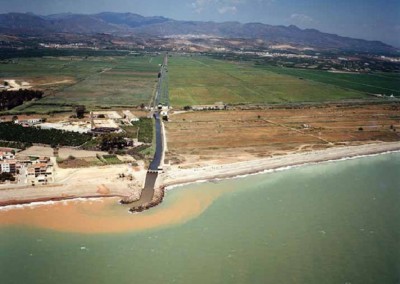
(369, 19)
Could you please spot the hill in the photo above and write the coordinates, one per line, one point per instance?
(128, 24)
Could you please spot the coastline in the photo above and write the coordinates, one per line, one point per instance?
(175, 177)
(264, 165)
(5, 204)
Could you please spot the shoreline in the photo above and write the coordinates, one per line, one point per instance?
(181, 177)
(264, 165)
(173, 185)
(243, 169)
(14, 202)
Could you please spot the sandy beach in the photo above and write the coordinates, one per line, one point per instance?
(104, 181)
(74, 183)
(176, 176)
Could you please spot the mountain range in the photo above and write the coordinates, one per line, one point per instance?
(129, 24)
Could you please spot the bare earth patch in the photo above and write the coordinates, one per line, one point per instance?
(214, 137)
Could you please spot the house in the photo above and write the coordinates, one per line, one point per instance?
(8, 166)
(40, 172)
(106, 114)
(5, 155)
(164, 115)
(104, 126)
(130, 116)
(6, 149)
(43, 160)
(40, 169)
(28, 121)
(216, 106)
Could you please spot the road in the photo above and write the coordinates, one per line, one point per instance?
(152, 173)
(162, 90)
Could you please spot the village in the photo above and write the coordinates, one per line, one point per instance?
(25, 170)
(37, 164)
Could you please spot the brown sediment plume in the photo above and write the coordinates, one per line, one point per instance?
(106, 216)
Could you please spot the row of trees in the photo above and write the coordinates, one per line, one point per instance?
(6, 176)
(14, 132)
(11, 99)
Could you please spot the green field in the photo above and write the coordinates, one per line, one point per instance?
(202, 80)
(375, 83)
(94, 81)
(127, 80)
(111, 159)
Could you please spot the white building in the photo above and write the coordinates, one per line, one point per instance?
(130, 116)
(8, 166)
(6, 155)
(29, 121)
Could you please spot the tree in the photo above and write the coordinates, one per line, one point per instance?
(6, 176)
(9, 100)
(111, 141)
(80, 111)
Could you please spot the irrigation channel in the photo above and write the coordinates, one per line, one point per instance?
(161, 98)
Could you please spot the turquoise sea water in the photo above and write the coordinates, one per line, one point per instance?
(329, 223)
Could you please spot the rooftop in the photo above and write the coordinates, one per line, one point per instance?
(105, 123)
(107, 114)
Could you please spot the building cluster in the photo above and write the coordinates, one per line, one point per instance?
(77, 45)
(99, 122)
(40, 171)
(163, 111)
(216, 106)
(26, 170)
(277, 54)
(109, 121)
(28, 120)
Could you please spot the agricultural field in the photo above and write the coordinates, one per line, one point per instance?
(198, 138)
(96, 81)
(374, 83)
(197, 80)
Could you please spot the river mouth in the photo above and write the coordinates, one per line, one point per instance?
(107, 215)
(329, 223)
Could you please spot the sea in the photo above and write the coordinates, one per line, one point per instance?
(334, 222)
